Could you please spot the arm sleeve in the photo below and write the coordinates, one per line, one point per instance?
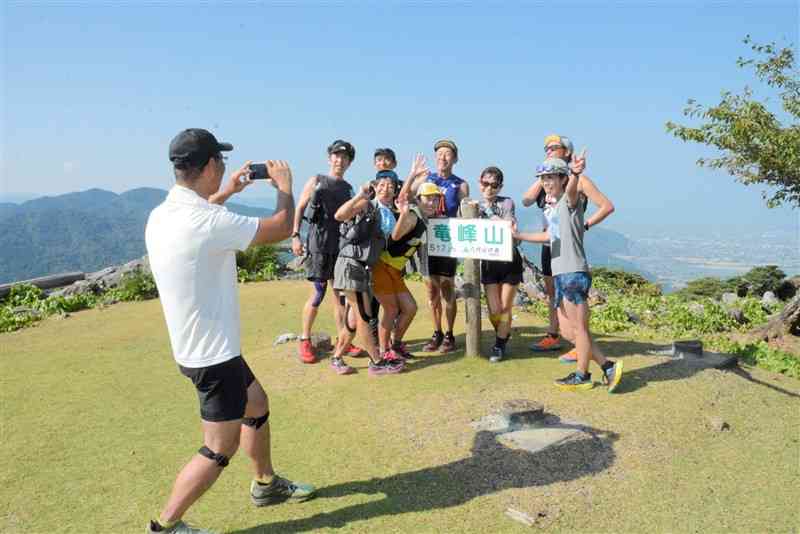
(230, 231)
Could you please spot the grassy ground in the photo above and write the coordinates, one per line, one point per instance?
(96, 421)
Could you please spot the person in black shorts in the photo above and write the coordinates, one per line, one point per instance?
(499, 278)
(191, 244)
(321, 197)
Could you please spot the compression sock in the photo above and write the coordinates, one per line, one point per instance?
(501, 342)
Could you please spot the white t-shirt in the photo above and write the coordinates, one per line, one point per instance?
(192, 247)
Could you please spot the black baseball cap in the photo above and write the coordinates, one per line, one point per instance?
(342, 146)
(195, 146)
(388, 152)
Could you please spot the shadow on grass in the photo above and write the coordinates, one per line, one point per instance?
(491, 468)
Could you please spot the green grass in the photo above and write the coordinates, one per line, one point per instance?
(96, 421)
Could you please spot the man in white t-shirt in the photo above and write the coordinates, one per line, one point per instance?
(191, 243)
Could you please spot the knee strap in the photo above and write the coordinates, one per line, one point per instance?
(221, 459)
(320, 286)
(256, 422)
(362, 307)
(350, 328)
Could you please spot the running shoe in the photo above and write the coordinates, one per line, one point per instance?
(305, 351)
(449, 344)
(573, 382)
(340, 366)
(393, 355)
(434, 343)
(402, 349)
(178, 528)
(355, 352)
(613, 375)
(548, 342)
(498, 354)
(569, 357)
(385, 367)
(279, 490)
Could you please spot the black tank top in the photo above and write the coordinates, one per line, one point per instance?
(323, 232)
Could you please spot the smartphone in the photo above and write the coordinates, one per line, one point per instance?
(258, 171)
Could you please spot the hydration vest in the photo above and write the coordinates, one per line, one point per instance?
(323, 232)
(361, 237)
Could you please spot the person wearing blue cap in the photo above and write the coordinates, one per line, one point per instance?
(561, 147)
(571, 275)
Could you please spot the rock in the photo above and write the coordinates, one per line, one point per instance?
(737, 315)
(596, 297)
(729, 298)
(521, 517)
(633, 317)
(788, 288)
(533, 291)
(520, 412)
(687, 346)
(769, 300)
(696, 308)
(284, 338)
(321, 342)
(522, 299)
(718, 424)
(81, 287)
(24, 310)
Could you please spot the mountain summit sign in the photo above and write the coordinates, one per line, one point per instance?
(481, 239)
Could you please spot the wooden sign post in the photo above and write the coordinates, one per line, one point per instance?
(472, 290)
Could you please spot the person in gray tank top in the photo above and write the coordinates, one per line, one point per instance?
(571, 274)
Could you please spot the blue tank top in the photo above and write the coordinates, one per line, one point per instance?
(450, 188)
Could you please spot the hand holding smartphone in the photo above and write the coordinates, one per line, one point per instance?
(258, 171)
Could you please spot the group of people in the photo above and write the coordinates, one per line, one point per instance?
(363, 243)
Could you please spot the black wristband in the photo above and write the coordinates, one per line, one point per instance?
(586, 227)
(296, 234)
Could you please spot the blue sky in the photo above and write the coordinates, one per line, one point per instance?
(94, 91)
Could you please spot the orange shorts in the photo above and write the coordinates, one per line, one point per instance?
(386, 280)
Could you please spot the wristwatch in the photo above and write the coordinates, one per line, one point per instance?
(296, 234)
(586, 226)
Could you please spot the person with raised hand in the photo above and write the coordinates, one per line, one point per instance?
(191, 244)
(571, 276)
(561, 147)
(440, 271)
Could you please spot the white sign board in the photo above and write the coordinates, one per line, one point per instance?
(482, 239)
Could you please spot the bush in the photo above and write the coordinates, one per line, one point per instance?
(760, 354)
(759, 280)
(258, 263)
(706, 287)
(135, 285)
(619, 281)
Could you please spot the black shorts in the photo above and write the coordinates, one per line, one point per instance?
(319, 266)
(502, 272)
(547, 269)
(441, 266)
(221, 388)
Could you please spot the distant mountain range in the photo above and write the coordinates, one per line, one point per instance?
(82, 231)
(89, 230)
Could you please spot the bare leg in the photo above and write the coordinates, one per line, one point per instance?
(492, 292)
(578, 315)
(391, 311)
(201, 473)
(435, 301)
(450, 304)
(408, 310)
(507, 294)
(550, 289)
(256, 442)
(309, 314)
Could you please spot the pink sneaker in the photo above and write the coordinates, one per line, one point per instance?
(341, 368)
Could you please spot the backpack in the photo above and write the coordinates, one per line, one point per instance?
(361, 237)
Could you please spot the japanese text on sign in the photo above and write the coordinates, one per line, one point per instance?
(482, 239)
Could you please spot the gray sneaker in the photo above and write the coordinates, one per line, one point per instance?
(178, 528)
(279, 490)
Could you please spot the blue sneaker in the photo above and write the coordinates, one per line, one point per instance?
(612, 376)
(573, 382)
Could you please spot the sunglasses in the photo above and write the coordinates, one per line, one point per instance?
(493, 185)
(220, 157)
(552, 147)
